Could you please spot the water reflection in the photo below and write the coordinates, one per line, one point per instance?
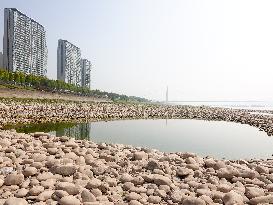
(218, 139)
(77, 131)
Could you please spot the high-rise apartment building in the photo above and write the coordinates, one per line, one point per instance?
(69, 63)
(1, 60)
(24, 44)
(86, 72)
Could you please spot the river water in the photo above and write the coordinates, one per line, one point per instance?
(207, 138)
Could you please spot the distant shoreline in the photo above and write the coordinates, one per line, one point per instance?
(35, 94)
(19, 111)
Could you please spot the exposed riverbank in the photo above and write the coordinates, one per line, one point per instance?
(35, 94)
(43, 169)
(42, 111)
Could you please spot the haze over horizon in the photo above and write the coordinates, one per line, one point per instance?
(203, 50)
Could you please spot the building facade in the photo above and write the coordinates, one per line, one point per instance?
(86, 72)
(1, 60)
(24, 44)
(69, 63)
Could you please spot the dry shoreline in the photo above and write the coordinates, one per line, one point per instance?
(35, 94)
(42, 169)
(36, 111)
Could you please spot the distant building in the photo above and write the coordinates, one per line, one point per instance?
(24, 43)
(1, 60)
(69, 63)
(86, 72)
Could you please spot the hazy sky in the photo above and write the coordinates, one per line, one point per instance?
(203, 50)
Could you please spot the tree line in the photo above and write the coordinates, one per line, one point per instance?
(59, 86)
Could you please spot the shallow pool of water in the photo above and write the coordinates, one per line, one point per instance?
(206, 138)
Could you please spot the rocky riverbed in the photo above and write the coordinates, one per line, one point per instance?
(42, 111)
(46, 170)
(42, 169)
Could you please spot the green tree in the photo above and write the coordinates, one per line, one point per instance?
(11, 77)
(22, 78)
(16, 77)
(28, 80)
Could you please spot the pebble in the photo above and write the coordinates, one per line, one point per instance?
(45, 195)
(42, 169)
(70, 188)
(87, 196)
(161, 180)
(69, 200)
(262, 200)
(21, 193)
(14, 179)
(66, 170)
(154, 199)
(29, 171)
(15, 201)
(233, 198)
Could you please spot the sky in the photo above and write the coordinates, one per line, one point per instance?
(201, 50)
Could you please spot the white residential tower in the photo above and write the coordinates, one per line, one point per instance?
(24, 44)
(69, 63)
(86, 72)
